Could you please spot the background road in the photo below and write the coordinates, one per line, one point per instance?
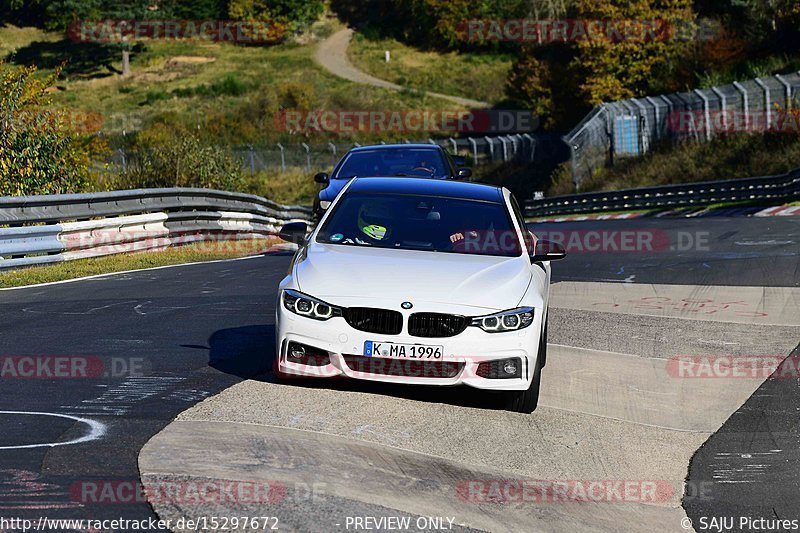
(332, 54)
(756, 252)
(192, 331)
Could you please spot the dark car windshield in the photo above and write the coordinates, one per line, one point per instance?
(416, 222)
(419, 162)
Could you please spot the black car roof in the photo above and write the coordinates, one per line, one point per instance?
(425, 186)
(415, 146)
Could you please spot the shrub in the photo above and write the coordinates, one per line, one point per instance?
(725, 157)
(42, 150)
(291, 14)
(297, 95)
(167, 157)
(295, 186)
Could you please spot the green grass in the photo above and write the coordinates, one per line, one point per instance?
(296, 186)
(13, 38)
(133, 261)
(723, 158)
(231, 93)
(470, 75)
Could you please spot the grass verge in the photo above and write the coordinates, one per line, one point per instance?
(723, 158)
(207, 251)
(470, 75)
(231, 94)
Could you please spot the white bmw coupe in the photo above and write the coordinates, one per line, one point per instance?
(418, 281)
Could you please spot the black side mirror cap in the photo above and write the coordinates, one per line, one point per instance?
(321, 177)
(294, 232)
(548, 251)
(464, 173)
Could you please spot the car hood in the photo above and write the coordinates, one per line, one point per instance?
(351, 275)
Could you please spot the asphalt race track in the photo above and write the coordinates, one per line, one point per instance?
(158, 342)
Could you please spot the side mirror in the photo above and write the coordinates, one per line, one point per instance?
(464, 173)
(322, 178)
(294, 232)
(460, 160)
(548, 251)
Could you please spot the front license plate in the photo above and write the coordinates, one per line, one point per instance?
(402, 351)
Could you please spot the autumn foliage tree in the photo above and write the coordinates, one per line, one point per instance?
(615, 68)
(42, 149)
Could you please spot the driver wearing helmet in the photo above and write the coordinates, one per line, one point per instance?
(375, 220)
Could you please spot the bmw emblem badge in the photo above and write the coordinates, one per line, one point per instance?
(406, 305)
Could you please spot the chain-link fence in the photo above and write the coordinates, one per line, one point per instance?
(630, 128)
(477, 151)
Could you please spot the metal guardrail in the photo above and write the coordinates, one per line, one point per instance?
(53, 228)
(783, 187)
(630, 128)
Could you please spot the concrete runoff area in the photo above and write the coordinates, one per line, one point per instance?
(607, 415)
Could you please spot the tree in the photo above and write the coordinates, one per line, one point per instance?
(541, 80)
(769, 15)
(619, 68)
(41, 149)
(293, 14)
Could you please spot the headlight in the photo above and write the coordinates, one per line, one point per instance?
(511, 320)
(308, 306)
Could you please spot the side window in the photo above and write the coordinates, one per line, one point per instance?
(526, 235)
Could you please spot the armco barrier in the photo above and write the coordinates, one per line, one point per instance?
(52, 228)
(785, 187)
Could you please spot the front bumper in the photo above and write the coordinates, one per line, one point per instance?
(464, 352)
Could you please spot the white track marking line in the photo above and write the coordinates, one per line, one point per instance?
(97, 430)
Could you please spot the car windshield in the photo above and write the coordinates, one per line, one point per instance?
(424, 162)
(416, 222)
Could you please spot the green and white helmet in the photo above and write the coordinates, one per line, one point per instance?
(374, 219)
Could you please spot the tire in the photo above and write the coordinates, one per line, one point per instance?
(526, 401)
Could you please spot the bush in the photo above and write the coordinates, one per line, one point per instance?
(230, 85)
(177, 158)
(291, 14)
(295, 186)
(297, 95)
(41, 149)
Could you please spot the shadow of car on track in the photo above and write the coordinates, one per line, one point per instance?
(248, 352)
